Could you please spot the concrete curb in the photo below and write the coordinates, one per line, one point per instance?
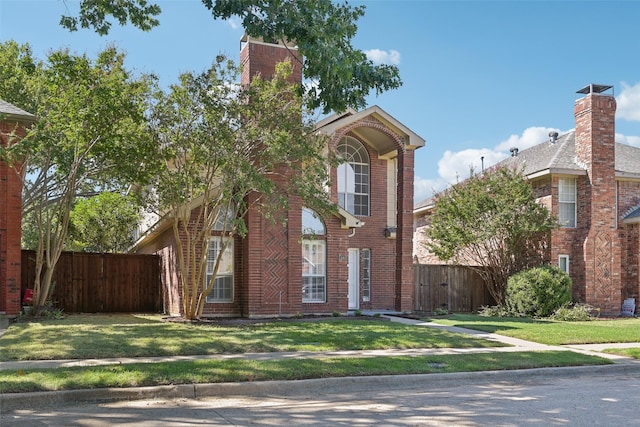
(30, 401)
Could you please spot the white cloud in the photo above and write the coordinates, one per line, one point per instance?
(531, 136)
(378, 56)
(427, 188)
(629, 140)
(629, 103)
(456, 166)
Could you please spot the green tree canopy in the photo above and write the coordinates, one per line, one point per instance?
(226, 150)
(493, 223)
(90, 136)
(322, 29)
(104, 223)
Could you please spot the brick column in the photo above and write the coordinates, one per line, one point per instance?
(595, 149)
(404, 234)
(10, 228)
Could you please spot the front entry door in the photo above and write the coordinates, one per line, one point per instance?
(354, 279)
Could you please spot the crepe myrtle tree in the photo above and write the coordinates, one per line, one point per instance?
(322, 29)
(227, 149)
(492, 223)
(89, 137)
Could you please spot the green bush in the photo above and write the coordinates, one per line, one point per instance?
(576, 313)
(493, 311)
(538, 292)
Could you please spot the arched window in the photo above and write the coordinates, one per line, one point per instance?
(353, 177)
(311, 223)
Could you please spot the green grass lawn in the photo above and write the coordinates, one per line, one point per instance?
(101, 336)
(552, 332)
(235, 370)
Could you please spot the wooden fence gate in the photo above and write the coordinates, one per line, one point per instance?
(101, 283)
(455, 288)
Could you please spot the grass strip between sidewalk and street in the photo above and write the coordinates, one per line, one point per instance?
(236, 370)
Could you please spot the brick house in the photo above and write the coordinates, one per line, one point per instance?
(13, 120)
(592, 184)
(357, 259)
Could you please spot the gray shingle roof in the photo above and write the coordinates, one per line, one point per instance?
(547, 157)
(560, 157)
(13, 112)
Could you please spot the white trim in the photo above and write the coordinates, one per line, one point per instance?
(564, 259)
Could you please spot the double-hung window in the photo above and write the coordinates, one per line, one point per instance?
(314, 258)
(223, 282)
(567, 202)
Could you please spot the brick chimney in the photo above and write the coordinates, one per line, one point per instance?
(260, 57)
(272, 256)
(595, 150)
(595, 144)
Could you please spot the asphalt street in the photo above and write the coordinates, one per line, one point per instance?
(535, 398)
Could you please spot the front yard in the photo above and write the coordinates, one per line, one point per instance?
(102, 336)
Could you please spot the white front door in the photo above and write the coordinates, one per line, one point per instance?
(354, 279)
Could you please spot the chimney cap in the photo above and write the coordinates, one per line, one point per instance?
(594, 88)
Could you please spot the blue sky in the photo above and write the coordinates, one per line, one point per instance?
(479, 76)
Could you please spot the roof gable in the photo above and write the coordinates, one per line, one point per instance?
(335, 122)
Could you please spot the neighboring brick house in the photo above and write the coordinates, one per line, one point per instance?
(13, 120)
(357, 259)
(592, 184)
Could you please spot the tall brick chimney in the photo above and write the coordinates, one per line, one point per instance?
(272, 261)
(260, 57)
(595, 150)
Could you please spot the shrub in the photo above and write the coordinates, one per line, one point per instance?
(538, 292)
(493, 311)
(576, 313)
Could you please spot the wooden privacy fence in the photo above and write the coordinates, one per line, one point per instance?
(454, 288)
(101, 283)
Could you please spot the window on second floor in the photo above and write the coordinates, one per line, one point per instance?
(567, 202)
(353, 177)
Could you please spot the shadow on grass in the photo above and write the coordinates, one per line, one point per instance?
(98, 336)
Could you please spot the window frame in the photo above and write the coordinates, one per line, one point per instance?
(356, 167)
(563, 259)
(365, 254)
(316, 280)
(313, 240)
(225, 272)
(567, 198)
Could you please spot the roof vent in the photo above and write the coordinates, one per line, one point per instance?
(514, 151)
(553, 137)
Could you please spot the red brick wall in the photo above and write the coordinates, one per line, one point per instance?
(10, 228)
(261, 58)
(595, 148)
(629, 198)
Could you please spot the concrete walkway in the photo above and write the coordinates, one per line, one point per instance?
(12, 401)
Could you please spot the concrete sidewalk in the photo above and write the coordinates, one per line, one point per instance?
(13, 401)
